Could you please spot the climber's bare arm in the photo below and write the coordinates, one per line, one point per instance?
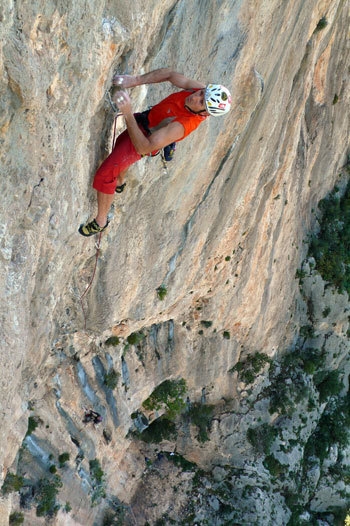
(156, 76)
(161, 137)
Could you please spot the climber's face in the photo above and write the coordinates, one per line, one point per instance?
(196, 102)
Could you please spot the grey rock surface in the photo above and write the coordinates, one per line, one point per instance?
(224, 232)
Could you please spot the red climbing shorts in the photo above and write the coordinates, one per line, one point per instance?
(122, 156)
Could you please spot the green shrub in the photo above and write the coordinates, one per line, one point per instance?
(112, 518)
(312, 360)
(160, 429)
(331, 245)
(96, 471)
(111, 379)
(135, 338)
(12, 483)
(226, 335)
(112, 341)
(300, 274)
(181, 462)
(33, 422)
(46, 494)
(16, 518)
(63, 458)
(251, 367)
(201, 416)
(322, 23)
(206, 323)
(326, 311)
(307, 331)
(333, 428)
(262, 438)
(274, 466)
(285, 397)
(97, 482)
(167, 395)
(52, 468)
(161, 292)
(328, 384)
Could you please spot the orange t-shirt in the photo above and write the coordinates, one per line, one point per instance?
(173, 107)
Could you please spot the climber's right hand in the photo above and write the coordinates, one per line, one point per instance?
(124, 81)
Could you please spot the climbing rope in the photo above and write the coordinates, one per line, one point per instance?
(114, 108)
(97, 245)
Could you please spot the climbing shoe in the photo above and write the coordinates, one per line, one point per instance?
(91, 228)
(120, 188)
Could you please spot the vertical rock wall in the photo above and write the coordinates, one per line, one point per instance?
(222, 232)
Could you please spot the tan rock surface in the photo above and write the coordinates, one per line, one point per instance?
(223, 231)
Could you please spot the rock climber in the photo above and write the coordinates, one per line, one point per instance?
(92, 416)
(170, 121)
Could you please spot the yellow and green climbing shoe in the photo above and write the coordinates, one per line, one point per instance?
(91, 228)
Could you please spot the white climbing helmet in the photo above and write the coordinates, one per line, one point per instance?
(217, 99)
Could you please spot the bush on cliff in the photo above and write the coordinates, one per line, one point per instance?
(331, 245)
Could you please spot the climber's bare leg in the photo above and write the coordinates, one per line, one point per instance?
(121, 178)
(104, 202)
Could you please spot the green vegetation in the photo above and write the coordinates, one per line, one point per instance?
(181, 462)
(206, 324)
(160, 429)
(333, 428)
(45, 496)
(16, 518)
(226, 335)
(135, 338)
(96, 470)
(274, 466)
(161, 292)
(322, 23)
(33, 422)
(201, 416)
(338, 517)
(169, 396)
(326, 311)
(262, 438)
(111, 379)
(331, 246)
(300, 275)
(328, 384)
(307, 331)
(53, 468)
(249, 369)
(113, 518)
(97, 481)
(11, 483)
(289, 385)
(63, 458)
(312, 360)
(112, 341)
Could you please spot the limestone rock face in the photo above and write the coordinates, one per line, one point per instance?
(222, 232)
